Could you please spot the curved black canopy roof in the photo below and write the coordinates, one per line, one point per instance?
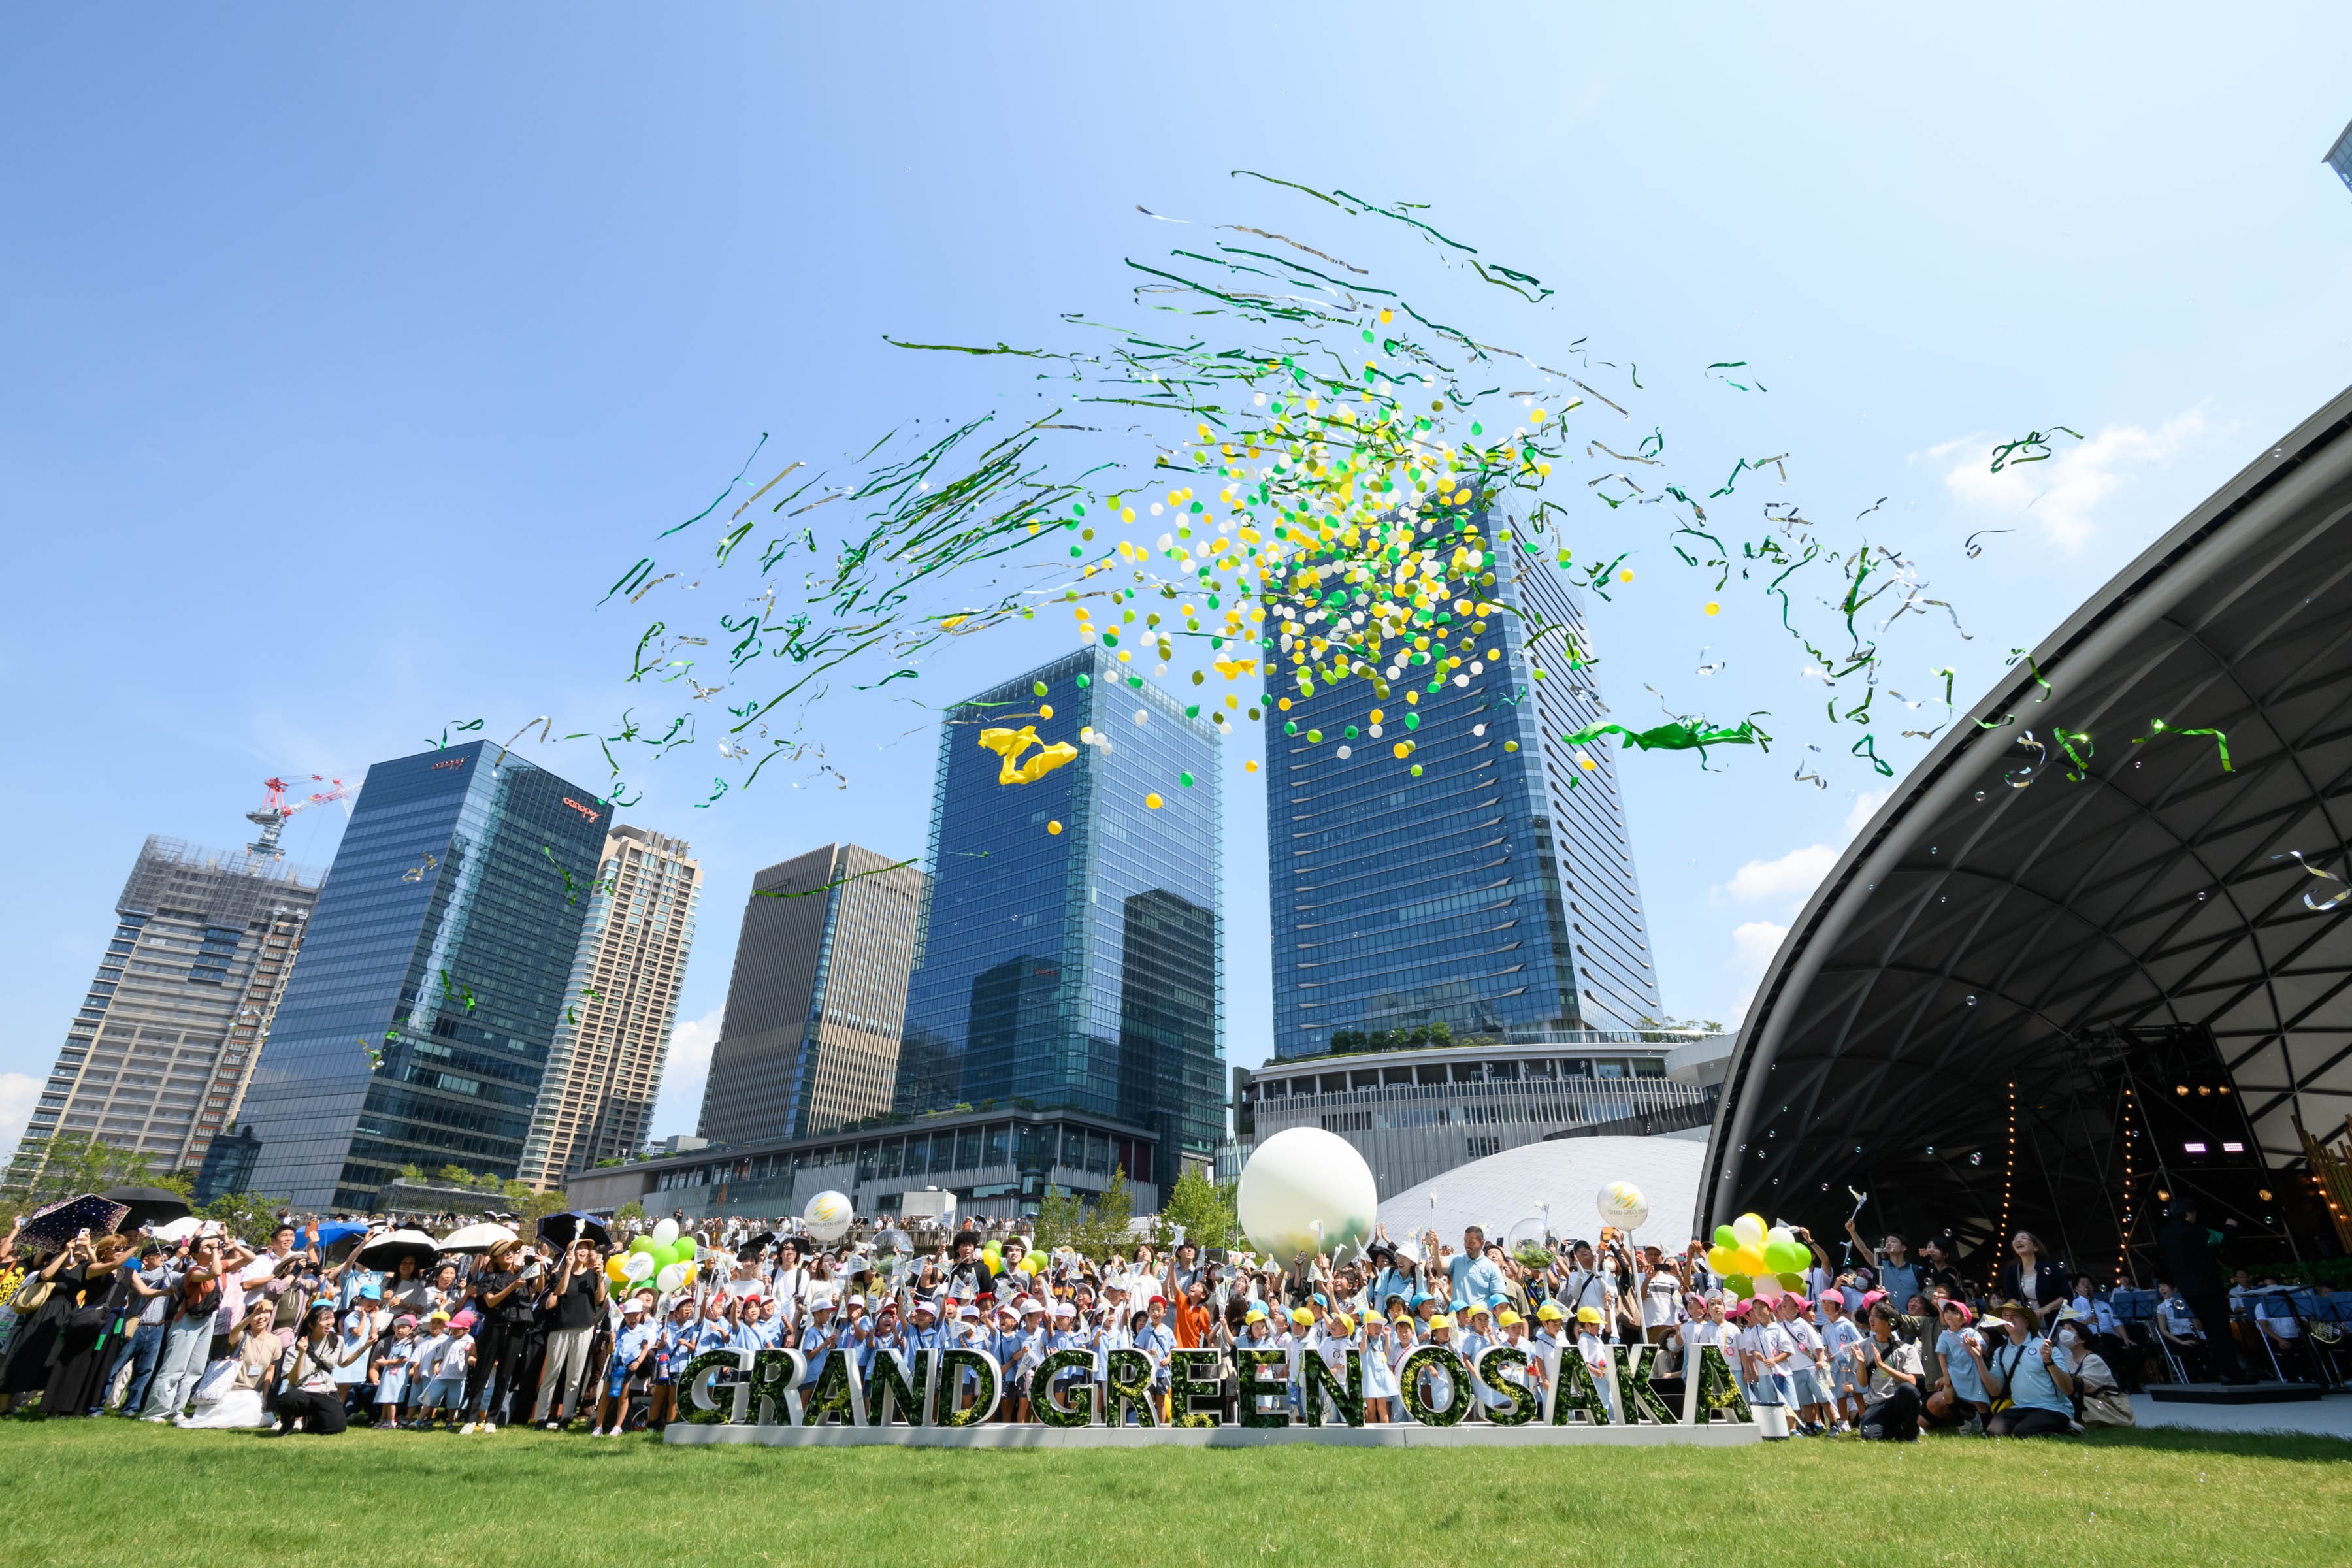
(1994, 926)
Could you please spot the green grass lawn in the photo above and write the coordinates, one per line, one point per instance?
(96, 1493)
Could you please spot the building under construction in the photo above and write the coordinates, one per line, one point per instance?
(156, 1058)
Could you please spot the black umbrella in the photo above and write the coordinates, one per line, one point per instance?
(386, 1250)
(148, 1205)
(563, 1229)
(50, 1228)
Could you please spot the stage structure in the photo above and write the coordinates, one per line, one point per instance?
(2096, 951)
(953, 1397)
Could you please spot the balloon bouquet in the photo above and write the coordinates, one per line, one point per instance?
(666, 1257)
(1757, 1260)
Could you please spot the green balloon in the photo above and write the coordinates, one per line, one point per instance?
(687, 1250)
(1725, 1236)
(1782, 1256)
(666, 1256)
(644, 1244)
(1739, 1285)
(1793, 1281)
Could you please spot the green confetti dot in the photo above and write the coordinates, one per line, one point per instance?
(1413, 720)
(1039, 689)
(1085, 681)
(1351, 731)
(1315, 737)
(1110, 639)
(1184, 779)
(1416, 770)
(1290, 726)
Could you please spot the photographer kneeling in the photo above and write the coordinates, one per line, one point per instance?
(2033, 1391)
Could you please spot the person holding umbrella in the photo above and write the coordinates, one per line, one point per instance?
(577, 1300)
(503, 1303)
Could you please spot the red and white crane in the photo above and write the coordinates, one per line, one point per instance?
(278, 807)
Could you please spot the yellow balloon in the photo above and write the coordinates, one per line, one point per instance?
(1748, 1261)
(1723, 1259)
(1749, 1229)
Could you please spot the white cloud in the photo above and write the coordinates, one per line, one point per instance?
(1865, 806)
(2062, 494)
(17, 1093)
(1753, 944)
(679, 1107)
(1789, 877)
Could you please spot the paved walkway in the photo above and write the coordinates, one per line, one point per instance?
(2329, 1416)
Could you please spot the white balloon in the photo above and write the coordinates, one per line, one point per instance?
(639, 1268)
(827, 1216)
(1769, 1287)
(1301, 1178)
(664, 1232)
(672, 1276)
(1621, 1204)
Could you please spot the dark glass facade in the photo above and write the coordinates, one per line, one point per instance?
(444, 940)
(1083, 969)
(1495, 890)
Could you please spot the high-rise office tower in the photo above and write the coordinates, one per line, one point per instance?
(603, 1072)
(2339, 155)
(1494, 891)
(1083, 967)
(158, 1053)
(435, 969)
(809, 1041)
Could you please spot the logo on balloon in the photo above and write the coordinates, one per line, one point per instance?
(827, 1216)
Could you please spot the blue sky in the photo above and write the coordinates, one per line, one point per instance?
(350, 356)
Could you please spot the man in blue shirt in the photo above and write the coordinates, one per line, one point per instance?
(1472, 1275)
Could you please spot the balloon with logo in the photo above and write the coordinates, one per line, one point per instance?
(827, 1216)
(1621, 1204)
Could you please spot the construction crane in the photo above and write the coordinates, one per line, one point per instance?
(277, 808)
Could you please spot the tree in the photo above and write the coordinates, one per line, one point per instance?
(412, 1173)
(249, 1216)
(73, 1163)
(454, 1176)
(1061, 1221)
(537, 1206)
(1107, 1217)
(1203, 1209)
(630, 1213)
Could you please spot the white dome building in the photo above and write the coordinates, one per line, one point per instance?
(1501, 1190)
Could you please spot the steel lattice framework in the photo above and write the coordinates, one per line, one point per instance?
(1991, 923)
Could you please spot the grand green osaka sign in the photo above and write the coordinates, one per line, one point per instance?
(955, 1397)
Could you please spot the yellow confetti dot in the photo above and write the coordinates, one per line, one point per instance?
(1045, 710)
(1587, 763)
(1402, 749)
(1713, 608)
(1538, 417)
(1376, 716)
(1152, 801)
(1510, 745)
(1387, 316)
(1626, 575)
(1054, 828)
(1249, 767)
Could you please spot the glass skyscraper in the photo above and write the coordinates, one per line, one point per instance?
(416, 1030)
(1495, 890)
(1085, 968)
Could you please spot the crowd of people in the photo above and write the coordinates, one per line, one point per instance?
(285, 1333)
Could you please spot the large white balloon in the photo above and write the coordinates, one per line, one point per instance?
(1621, 1204)
(827, 1216)
(664, 1232)
(1300, 1178)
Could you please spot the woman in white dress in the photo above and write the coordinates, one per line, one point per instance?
(230, 1393)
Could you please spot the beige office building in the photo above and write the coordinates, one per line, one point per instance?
(157, 1056)
(605, 1068)
(818, 996)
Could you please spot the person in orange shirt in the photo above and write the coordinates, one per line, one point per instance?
(1195, 1317)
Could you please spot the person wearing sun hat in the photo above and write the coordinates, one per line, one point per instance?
(1379, 1372)
(1476, 1338)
